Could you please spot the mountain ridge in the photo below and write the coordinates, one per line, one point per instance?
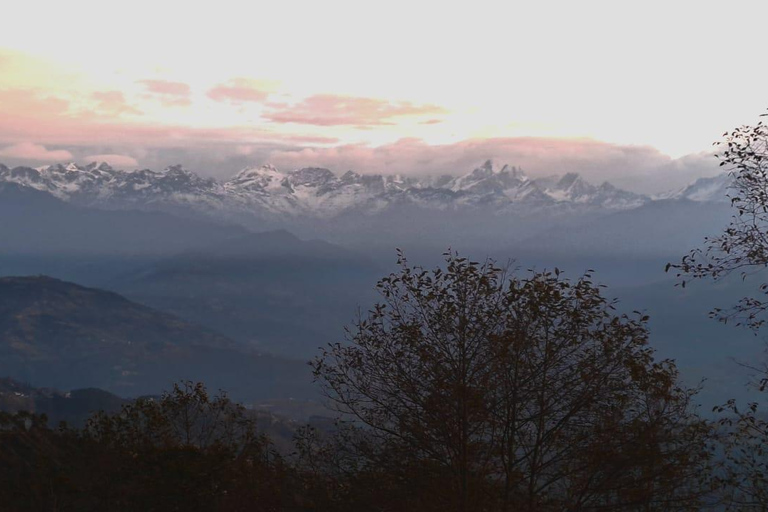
(315, 192)
(59, 334)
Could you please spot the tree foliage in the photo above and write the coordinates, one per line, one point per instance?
(743, 476)
(743, 246)
(482, 390)
(185, 451)
(36, 464)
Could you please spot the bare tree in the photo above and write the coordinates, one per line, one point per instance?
(514, 393)
(743, 477)
(741, 249)
(743, 246)
(185, 450)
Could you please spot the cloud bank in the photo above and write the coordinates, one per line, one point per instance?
(640, 168)
(38, 127)
(113, 103)
(335, 110)
(34, 153)
(119, 161)
(240, 90)
(170, 94)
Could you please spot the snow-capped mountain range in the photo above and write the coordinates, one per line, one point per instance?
(714, 189)
(265, 192)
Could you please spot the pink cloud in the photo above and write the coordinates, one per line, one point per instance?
(334, 110)
(636, 167)
(174, 94)
(32, 104)
(113, 102)
(31, 151)
(239, 90)
(114, 160)
(537, 155)
(27, 115)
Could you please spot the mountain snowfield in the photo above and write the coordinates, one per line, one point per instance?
(266, 192)
(714, 189)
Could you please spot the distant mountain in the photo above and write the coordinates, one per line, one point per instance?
(572, 188)
(713, 189)
(73, 407)
(58, 334)
(35, 222)
(668, 228)
(266, 192)
(269, 290)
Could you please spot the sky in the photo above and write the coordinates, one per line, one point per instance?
(630, 92)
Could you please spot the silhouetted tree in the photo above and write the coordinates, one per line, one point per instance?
(183, 451)
(743, 246)
(743, 476)
(37, 464)
(469, 388)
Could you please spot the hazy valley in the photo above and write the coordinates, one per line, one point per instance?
(223, 256)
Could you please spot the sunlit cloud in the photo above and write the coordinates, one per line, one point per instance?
(172, 94)
(335, 110)
(30, 103)
(113, 103)
(34, 152)
(31, 115)
(539, 156)
(241, 90)
(219, 93)
(641, 168)
(114, 160)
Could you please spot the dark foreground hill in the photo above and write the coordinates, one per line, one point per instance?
(62, 335)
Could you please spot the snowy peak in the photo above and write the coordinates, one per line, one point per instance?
(714, 189)
(177, 179)
(312, 177)
(489, 179)
(506, 185)
(180, 174)
(557, 182)
(266, 192)
(254, 172)
(350, 177)
(175, 169)
(60, 168)
(99, 166)
(265, 178)
(490, 170)
(486, 170)
(569, 180)
(571, 188)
